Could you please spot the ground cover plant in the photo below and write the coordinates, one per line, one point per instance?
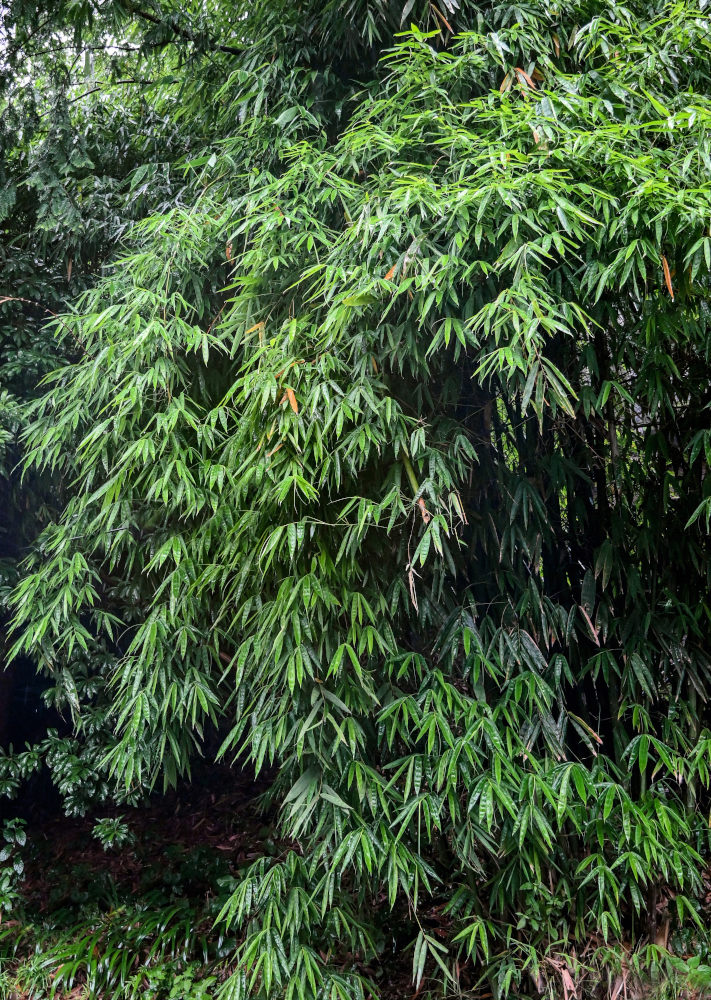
(133, 918)
(371, 452)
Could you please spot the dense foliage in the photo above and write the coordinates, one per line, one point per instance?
(379, 451)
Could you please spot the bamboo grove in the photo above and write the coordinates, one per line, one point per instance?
(376, 456)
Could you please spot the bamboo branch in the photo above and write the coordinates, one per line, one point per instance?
(426, 516)
(181, 31)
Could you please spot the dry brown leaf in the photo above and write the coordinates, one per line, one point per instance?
(291, 395)
(587, 727)
(523, 75)
(439, 14)
(593, 630)
(667, 276)
(411, 584)
(569, 987)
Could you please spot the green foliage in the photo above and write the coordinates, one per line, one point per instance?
(380, 449)
(14, 837)
(112, 832)
(150, 950)
(118, 924)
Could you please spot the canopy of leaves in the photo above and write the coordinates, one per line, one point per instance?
(380, 447)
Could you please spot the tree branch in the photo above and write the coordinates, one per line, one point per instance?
(180, 31)
(106, 85)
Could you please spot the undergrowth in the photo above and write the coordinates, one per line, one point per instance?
(149, 949)
(92, 936)
(132, 913)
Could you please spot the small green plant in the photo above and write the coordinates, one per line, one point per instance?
(112, 832)
(12, 866)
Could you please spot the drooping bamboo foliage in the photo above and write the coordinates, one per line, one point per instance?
(384, 451)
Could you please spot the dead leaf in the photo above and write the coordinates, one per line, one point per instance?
(426, 516)
(523, 75)
(391, 272)
(569, 988)
(292, 400)
(411, 584)
(667, 276)
(662, 936)
(588, 728)
(618, 987)
(439, 14)
(593, 631)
